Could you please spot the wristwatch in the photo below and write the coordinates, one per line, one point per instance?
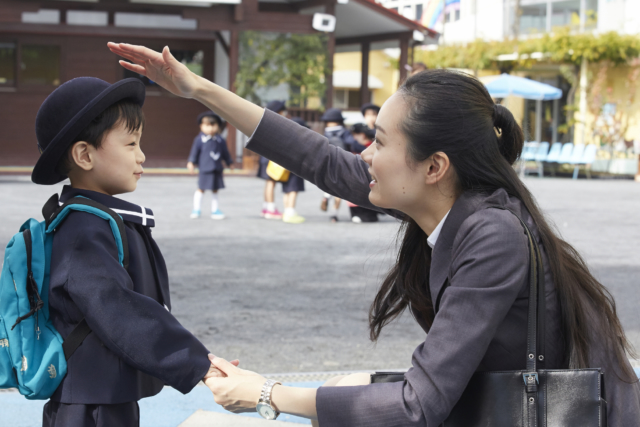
(264, 406)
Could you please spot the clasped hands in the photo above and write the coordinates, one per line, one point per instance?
(236, 390)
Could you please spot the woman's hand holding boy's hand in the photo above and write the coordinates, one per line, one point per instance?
(239, 390)
(162, 68)
(217, 373)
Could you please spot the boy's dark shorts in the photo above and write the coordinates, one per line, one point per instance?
(56, 414)
(210, 181)
(262, 168)
(294, 183)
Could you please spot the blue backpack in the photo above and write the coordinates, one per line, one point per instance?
(33, 356)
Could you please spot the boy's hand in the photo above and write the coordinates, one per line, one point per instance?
(191, 167)
(239, 390)
(217, 373)
(162, 68)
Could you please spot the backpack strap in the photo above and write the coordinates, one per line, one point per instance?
(50, 211)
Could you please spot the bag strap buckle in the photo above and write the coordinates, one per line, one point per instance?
(531, 378)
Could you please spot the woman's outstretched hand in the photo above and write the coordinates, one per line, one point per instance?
(239, 391)
(162, 68)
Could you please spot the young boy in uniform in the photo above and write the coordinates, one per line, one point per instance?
(339, 136)
(370, 113)
(365, 136)
(89, 131)
(208, 151)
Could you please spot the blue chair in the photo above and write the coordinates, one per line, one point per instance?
(541, 156)
(565, 154)
(588, 157)
(576, 158)
(554, 153)
(528, 154)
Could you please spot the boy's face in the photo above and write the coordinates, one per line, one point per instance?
(361, 138)
(116, 166)
(209, 127)
(370, 117)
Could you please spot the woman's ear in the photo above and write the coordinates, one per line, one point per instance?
(437, 167)
(82, 154)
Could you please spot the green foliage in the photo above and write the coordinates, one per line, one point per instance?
(269, 59)
(561, 47)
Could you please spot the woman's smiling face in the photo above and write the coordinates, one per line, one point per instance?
(398, 183)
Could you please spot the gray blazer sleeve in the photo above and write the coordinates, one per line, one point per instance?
(310, 156)
(488, 272)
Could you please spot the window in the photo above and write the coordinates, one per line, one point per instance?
(418, 12)
(456, 15)
(7, 64)
(193, 59)
(150, 20)
(43, 16)
(533, 18)
(346, 99)
(40, 65)
(87, 17)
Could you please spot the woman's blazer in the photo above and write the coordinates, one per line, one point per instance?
(481, 324)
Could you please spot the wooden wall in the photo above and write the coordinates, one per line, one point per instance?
(171, 121)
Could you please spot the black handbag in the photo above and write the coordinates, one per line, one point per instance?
(534, 397)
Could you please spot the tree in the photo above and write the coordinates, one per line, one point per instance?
(270, 59)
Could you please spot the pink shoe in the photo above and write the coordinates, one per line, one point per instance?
(263, 213)
(275, 214)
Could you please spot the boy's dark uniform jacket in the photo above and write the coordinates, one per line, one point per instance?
(136, 346)
(208, 152)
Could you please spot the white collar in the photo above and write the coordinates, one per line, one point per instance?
(205, 138)
(431, 240)
(332, 128)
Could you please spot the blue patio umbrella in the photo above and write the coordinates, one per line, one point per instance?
(507, 84)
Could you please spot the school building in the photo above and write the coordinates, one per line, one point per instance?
(45, 43)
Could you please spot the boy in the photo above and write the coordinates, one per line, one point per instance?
(89, 131)
(370, 113)
(365, 136)
(339, 136)
(208, 151)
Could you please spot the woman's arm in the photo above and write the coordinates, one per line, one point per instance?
(302, 151)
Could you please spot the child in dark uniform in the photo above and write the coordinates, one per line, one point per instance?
(365, 136)
(370, 113)
(208, 151)
(89, 131)
(291, 188)
(339, 136)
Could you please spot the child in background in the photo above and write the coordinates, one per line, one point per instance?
(370, 113)
(208, 151)
(339, 136)
(365, 136)
(269, 210)
(89, 131)
(291, 188)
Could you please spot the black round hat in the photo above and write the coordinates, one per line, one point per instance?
(215, 117)
(67, 111)
(300, 121)
(363, 128)
(276, 106)
(369, 106)
(332, 115)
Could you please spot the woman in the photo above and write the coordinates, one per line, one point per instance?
(439, 164)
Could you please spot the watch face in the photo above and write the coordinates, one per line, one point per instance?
(266, 411)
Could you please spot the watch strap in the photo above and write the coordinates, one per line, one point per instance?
(265, 395)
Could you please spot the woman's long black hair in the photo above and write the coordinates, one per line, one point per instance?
(453, 113)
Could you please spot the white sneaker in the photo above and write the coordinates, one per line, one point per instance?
(356, 219)
(195, 215)
(217, 215)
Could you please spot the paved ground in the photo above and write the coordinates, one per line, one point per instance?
(294, 298)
